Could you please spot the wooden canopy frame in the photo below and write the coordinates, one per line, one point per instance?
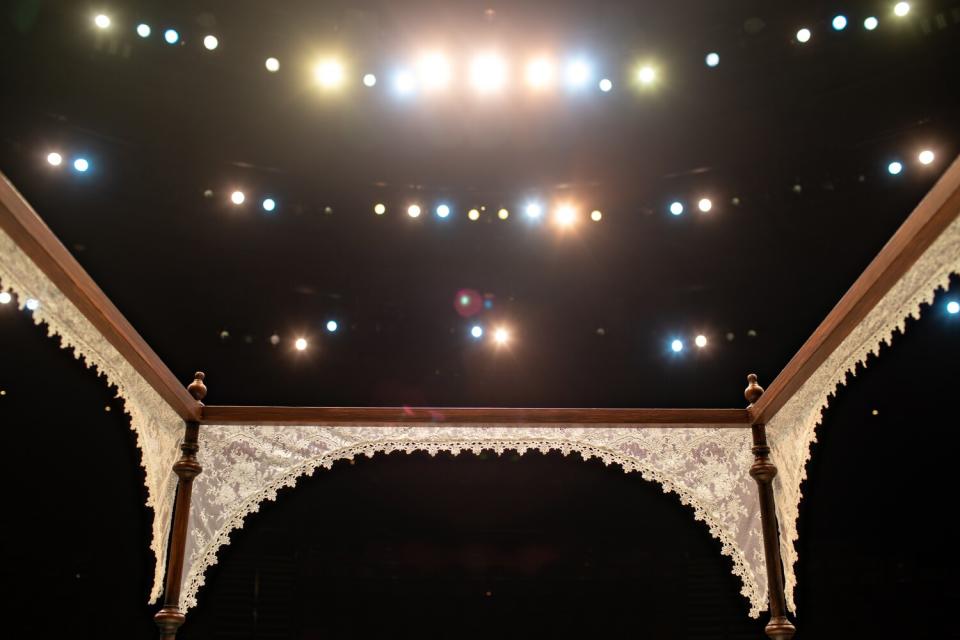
(938, 209)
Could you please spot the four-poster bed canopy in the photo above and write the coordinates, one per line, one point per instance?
(232, 458)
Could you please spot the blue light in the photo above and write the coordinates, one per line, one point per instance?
(443, 211)
(894, 168)
(269, 204)
(839, 22)
(476, 331)
(676, 208)
(578, 73)
(144, 30)
(953, 307)
(676, 346)
(332, 326)
(171, 36)
(534, 210)
(81, 164)
(713, 59)
(404, 82)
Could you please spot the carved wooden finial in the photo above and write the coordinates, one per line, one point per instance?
(753, 391)
(197, 389)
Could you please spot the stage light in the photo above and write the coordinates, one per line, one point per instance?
(171, 36)
(871, 23)
(81, 164)
(102, 21)
(596, 215)
(369, 80)
(646, 75)
(488, 73)
(901, 9)
(144, 30)
(501, 336)
(404, 82)
(839, 22)
(329, 73)
(210, 43)
(534, 210)
(5, 297)
(300, 344)
(413, 211)
(894, 168)
(713, 59)
(578, 74)
(473, 214)
(443, 211)
(676, 208)
(269, 204)
(54, 158)
(605, 84)
(476, 331)
(272, 65)
(676, 346)
(566, 215)
(379, 209)
(503, 214)
(237, 197)
(953, 307)
(332, 326)
(539, 73)
(803, 35)
(705, 204)
(701, 341)
(926, 156)
(434, 71)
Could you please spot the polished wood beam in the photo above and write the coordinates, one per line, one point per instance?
(213, 414)
(36, 240)
(935, 212)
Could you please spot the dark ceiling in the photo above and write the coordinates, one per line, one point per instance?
(790, 141)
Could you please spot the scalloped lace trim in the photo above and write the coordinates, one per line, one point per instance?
(158, 428)
(706, 467)
(792, 430)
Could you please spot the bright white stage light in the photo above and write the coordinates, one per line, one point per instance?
(473, 214)
(926, 156)
(646, 75)
(434, 71)
(839, 22)
(329, 73)
(81, 164)
(5, 297)
(413, 211)
(871, 23)
(476, 331)
(676, 208)
(705, 204)
(379, 209)
(405, 82)
(237, 197)
(701, 341)
(566, 215)
(953, 307)
(269, 204)
(677, 346)
(803, 35)
(488, 73)
(54, 158)
(32, 304)
(144, 30)
(300, 344)
(332, 326)
(578, 74)
(369, 80)
(605, 84)
(211, 42)
(102, 21)
(534, 210)
(596, 215)
(501, 336)
(894, 168)
(503, 214)
(171, 36)
(443, 211)
(539, 73)
(713, 59)
(272, 65)
(901, 9)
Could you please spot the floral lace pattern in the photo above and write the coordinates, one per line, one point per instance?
(158, 428)
(793, 429)
(707, 467)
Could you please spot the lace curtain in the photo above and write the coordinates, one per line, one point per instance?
(707, 467)
(158, 428)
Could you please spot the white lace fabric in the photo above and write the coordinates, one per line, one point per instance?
(158, 428)
(792, 430)
(707, 467)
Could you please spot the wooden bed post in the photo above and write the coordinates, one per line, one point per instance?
(764, 471)
(169, 618)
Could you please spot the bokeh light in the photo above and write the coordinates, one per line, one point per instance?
(269, 204)
(901, 9)
(870, 23)
(476, 331)
(713, 59)
(102, 21)
(210, 42)
(144, 30)
(443, 211)
(596, 215)
(404, 82)
(379, 208)
(468, 302)
(926, 156)
(503, 214)
(54, 158)
(894, 168)
(5, 297)
(566, 215)
(953, 307)
(578, 74)
(272, 65)
(534, 210)
(473, 214)
(803, 35)
(605, 84)
(646, 75)
(488, 73)
(700, 341)
(300, 344)
(434, 71)
(676, 346)
(413, 211)
(329, 73)
(32, 304)
(171, 36)
(332, 326)
(676, 208)
(705, 204)
(237, 197)
(839, 22)
(539, 73)
(81, 164)
(369, 80)
(501, 336)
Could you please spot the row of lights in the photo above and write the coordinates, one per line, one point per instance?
(840, 22)
(500, 336)
(925, 157)
(80, 164)
(677, 345)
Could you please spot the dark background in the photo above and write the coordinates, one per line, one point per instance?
(404, 545)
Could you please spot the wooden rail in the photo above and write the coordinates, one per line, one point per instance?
(36, 239)
(934, 214)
